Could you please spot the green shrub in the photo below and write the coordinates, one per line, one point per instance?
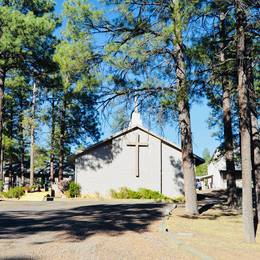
(15, 192)
(150, 194)
(1, 185)
(142, 193)
(74, 190)
(125, 193)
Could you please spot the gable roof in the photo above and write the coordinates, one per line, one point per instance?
(198, 160)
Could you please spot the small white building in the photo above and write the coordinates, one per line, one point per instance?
(133, 158)
(217, 168)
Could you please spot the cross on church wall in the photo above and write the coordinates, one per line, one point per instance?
(137, 144)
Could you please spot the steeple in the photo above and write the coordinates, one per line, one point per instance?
(136, 117)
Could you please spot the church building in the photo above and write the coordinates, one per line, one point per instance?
(134, 158)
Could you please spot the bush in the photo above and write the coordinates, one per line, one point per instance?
(73, 190)
(150, 194)
(1, 185)
(142, 193)
(125, 193)
(15, 192)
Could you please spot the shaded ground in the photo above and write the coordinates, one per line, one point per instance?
(122, 230)
(83, 230)
(78, 223)
(208, 198)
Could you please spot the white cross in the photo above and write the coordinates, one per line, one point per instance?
(137, 144)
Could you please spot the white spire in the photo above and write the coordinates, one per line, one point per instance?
(136, 117)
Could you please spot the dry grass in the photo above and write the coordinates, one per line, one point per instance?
(34, 196)
(217, 233)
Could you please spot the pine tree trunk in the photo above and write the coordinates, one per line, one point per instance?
(52, 140)
(256, 159)
(2, 79)
(191, 206)
(22, 157)
(245, 127)
(32, 134)
(2, 164)
(21, 140)
(227, 119)
(10, 168)
(255, 133)
(62, 139)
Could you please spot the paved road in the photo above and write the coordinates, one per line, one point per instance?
(84, 230)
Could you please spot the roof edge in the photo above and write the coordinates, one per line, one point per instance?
(129, 129)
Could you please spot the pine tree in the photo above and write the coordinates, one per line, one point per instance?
(76, 60)
(214, 50)
(17, 90)
(146, 55)
(251, 48)
(245, 124)
(25, 26)
(184, 114)
(227, 118)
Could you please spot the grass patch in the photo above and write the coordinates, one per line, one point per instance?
(217, 233)
(142, 193)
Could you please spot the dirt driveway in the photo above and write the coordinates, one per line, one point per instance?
(85, 230)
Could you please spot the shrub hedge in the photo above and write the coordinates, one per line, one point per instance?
(15, 192)
(142, 193)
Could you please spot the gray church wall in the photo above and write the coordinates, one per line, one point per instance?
(172, 175)
(112, 165)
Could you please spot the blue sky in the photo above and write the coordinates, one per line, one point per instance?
(202, 136)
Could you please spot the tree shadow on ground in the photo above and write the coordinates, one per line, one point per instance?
(211, 205)
(213, 212)
(81, 222)
(218, 195)
(18, 258)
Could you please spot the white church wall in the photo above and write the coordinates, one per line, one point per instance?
(172, 175)
(149, 162)
(112, 165)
